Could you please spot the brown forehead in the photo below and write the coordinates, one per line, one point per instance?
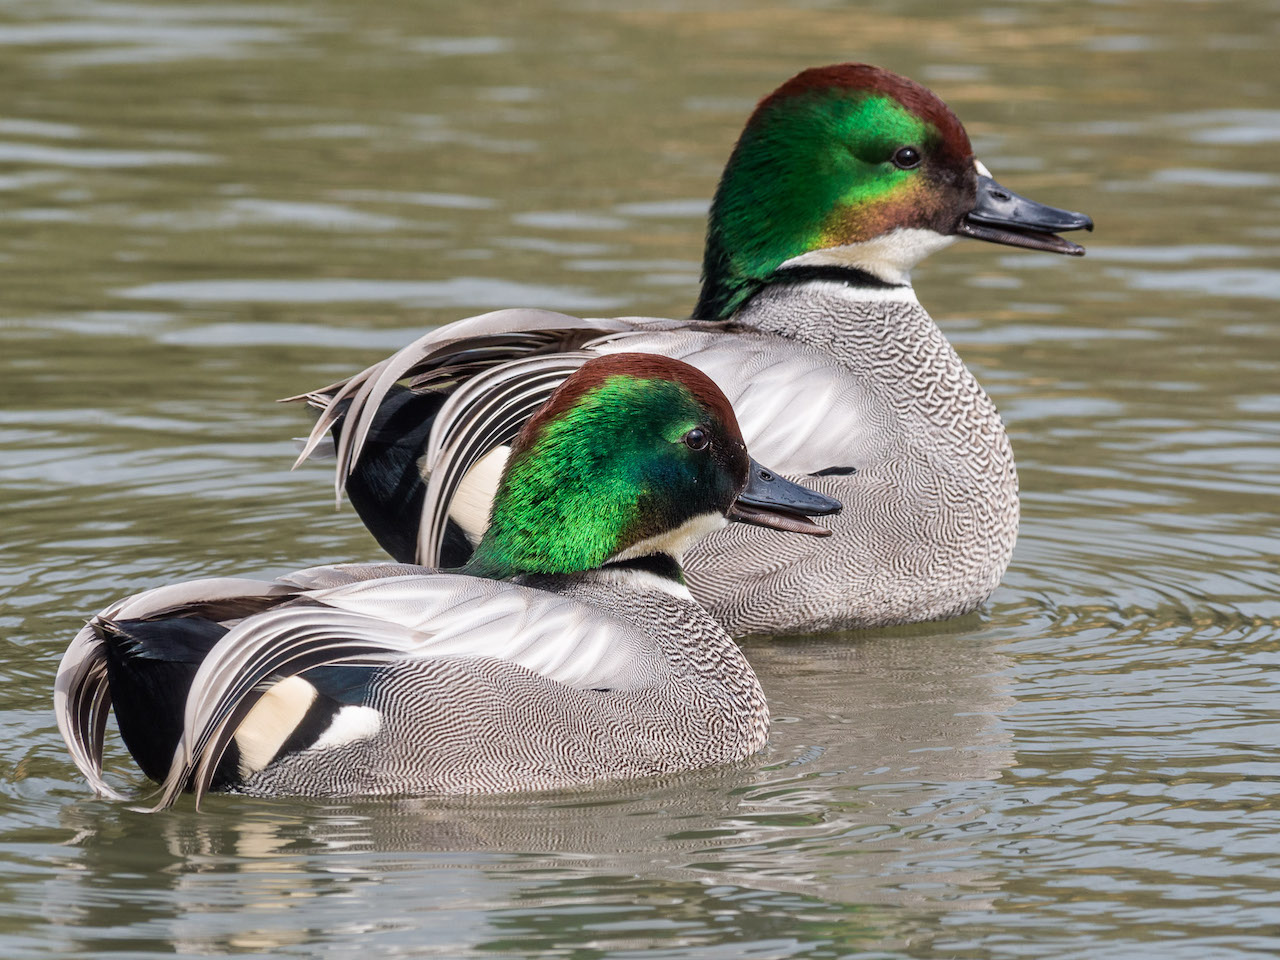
(643, 366)
(864, 78)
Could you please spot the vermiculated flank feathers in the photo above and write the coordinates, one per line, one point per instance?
(405, 624)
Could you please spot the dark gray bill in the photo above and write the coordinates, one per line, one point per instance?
(770, 500)
(1001, 216)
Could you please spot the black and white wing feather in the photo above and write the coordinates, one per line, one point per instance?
(450, 353)
(283, 628)
(388, 620)
(81, 700)
(481, 416)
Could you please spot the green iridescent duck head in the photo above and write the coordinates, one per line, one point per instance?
(633, 456)
(854, 170)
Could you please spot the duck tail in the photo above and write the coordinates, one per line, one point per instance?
(151, 665)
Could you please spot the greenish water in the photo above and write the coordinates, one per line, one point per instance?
(205, 207)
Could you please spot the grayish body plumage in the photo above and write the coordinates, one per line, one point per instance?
(481, 687)
(821, 375)
(821, 379)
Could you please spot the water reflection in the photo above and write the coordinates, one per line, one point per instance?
(858, 800)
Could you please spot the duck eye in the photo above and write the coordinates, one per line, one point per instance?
(696, 439)
(906, 158)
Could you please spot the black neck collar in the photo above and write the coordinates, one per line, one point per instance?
(712, 299)
(849, 276)
(659, 564)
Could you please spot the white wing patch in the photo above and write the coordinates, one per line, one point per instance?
(349, 725)
(271, 722)
(277, 715)
(470, 506)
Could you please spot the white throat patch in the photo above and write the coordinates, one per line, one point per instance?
(888, 257)
(675, 542)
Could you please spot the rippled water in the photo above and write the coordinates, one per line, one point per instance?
(208, 206)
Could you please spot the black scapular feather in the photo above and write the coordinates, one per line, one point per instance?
(385, 487)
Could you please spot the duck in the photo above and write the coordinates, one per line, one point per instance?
(843, 179)
(567, 650)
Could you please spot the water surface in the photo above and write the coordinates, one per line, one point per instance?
(209, 206)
